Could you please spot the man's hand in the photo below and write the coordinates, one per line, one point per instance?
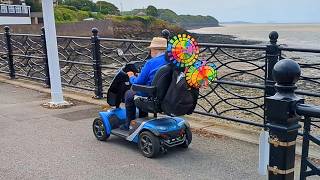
(130, 73)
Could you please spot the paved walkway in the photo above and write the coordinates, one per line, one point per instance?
(38, 143)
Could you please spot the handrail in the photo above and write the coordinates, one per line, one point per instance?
(29, 35)
(239, 46)
(308, 110)
(259, 47)
(299, 49)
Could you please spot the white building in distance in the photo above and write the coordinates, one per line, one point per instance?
(14, 14)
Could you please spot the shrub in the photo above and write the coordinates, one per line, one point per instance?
(65, 14)
(81, 4)
(146, 20)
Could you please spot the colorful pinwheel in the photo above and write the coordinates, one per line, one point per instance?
(201, 74)
(183, 50)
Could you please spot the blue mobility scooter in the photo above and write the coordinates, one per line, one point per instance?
(152, 134)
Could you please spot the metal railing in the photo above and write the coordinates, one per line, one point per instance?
(240, 94)
(90, 63)
(310, 113)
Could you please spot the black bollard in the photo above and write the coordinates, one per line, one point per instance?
(283, 120)
(96, 56)
(272, 57)
(45, 58)
(12, 71)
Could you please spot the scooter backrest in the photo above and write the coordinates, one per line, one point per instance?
(162, 80)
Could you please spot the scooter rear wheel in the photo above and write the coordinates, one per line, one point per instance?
(149, 144)
(99, 130)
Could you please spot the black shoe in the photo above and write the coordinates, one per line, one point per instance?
(124, 127)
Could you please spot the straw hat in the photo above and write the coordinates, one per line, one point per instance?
(158, 43)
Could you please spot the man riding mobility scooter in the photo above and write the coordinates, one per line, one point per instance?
(157, 133)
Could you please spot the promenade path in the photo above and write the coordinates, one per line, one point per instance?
(38, 143)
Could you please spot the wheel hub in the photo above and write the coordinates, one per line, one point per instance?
(99, 129)
(146, 145)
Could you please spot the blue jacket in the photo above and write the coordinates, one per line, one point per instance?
(149, 70)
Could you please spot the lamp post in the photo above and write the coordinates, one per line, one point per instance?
(52, 51)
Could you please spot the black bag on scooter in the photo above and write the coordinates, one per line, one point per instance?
(180, 99)
(120, 83)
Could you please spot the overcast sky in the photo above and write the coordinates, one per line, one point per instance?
(262, 11)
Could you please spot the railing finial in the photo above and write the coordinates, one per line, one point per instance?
(273, 36)
(6, 29)
(43, 30)
(95, 31)
(165, 33)
(286, 73)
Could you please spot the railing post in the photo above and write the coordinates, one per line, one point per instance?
(95, 42)
(283, 120)
(272, 57)
(12, 72)
(45, 59)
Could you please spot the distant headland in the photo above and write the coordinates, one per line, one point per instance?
(185, 21)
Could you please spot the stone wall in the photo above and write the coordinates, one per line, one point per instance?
(82, 28)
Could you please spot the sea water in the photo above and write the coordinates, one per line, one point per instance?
(292, 35)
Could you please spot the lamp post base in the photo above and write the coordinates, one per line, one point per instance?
(52, 105)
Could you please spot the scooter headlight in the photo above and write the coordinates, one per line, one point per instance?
(182, 123)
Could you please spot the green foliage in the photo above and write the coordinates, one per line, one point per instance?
(168, 15)
(107, 8)
(68, 7)
(187, 20)
(85, 5)
(152, 11)
(64, 14)
(146, 20)
(34, 7)
(98, 16)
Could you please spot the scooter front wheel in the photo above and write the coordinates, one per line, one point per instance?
(188, 140)
(99, 130)
(149, 144)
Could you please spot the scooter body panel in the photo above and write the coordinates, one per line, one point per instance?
(165, 125)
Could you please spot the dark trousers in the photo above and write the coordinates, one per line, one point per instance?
(131, 107)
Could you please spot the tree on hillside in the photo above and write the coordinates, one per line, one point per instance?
(107, 8)
(152, 11)
(85, 5)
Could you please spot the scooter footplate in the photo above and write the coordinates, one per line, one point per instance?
(119, 132)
